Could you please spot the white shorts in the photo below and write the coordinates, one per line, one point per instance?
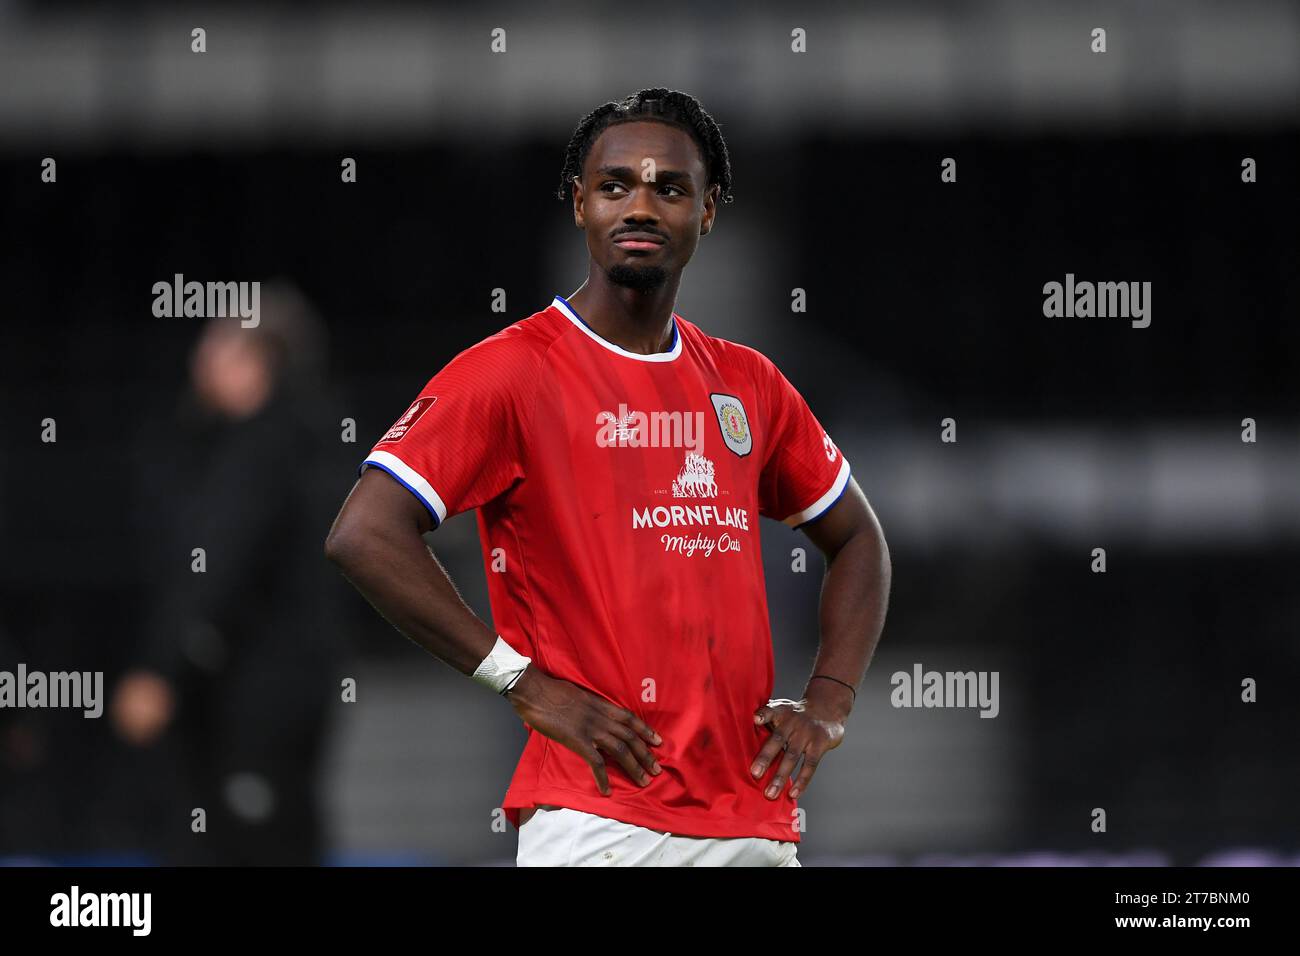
(564, 837)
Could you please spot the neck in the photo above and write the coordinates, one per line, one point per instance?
(636, 320)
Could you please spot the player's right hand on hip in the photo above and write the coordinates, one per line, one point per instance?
(587, 724)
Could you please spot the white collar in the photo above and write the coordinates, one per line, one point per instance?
(563, 305)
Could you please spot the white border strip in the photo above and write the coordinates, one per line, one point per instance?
(668, 356)
(822, 503)
(414, 480)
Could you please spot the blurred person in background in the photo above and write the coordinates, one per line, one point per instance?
(238, 663)
(23, 751)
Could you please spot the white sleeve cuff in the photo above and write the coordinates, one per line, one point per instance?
(411, 479)
(822, 504)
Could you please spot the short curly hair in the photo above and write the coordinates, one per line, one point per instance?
(665, 106)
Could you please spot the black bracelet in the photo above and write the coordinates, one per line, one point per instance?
(838, 681)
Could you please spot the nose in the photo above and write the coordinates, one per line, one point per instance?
(641, 208)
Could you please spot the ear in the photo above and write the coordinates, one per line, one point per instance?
(710, 208)
(578, 218)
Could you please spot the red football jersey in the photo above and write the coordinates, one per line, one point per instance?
(618, 499)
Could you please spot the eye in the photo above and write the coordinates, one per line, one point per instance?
(604, 187)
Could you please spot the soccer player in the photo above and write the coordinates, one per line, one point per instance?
(619, 459)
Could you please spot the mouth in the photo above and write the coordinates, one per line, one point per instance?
(638, 241)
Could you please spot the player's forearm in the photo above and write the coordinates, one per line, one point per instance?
(854, 600)
(404, 582)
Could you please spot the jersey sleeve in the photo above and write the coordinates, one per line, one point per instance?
(804, 473)
(462, 442)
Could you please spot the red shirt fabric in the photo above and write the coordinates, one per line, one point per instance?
(618, 500)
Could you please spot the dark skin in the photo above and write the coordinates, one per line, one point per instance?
(377, 542)
(855, 596)
(615, 198)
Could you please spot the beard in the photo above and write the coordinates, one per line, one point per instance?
(638, 278)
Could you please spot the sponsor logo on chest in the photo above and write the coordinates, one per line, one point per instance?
(691, 523)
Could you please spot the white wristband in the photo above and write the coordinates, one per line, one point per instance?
(502, 667)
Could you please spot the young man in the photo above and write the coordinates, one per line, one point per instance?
(619, 459)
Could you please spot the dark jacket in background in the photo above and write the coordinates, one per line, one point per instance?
(251, 644)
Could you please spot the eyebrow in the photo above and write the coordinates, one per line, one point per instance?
(661, 175)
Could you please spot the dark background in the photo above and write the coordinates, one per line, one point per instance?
(1118, 690)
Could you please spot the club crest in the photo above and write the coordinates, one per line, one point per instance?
(733, 422)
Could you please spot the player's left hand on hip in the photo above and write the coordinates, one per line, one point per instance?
(800, 728)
